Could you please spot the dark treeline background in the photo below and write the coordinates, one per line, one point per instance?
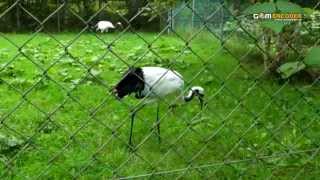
(68, 15)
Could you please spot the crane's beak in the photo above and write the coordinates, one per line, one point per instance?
(115, 93)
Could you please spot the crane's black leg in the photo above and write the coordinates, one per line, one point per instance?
(158, 123)
(200, 96)
(133, 114)
(131, 127)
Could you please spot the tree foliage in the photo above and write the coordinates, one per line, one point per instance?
(70, 16)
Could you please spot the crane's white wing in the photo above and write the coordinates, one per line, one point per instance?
(161, 82)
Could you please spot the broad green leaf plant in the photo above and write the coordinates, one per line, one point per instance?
(277, 37)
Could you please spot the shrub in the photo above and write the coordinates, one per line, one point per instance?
(287, 47)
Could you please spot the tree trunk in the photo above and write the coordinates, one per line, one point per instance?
(64, 14)
(18, 17)
(133, 8)
(266, 42)
(11, 17)
(58, 17)
(44, 9)
(134, 5)
(280, 54)
(100, 4)
(236, 7)
(87, 10)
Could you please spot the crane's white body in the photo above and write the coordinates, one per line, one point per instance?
(161, 82)
(104, 26)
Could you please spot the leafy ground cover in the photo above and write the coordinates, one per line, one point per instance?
(58, 119)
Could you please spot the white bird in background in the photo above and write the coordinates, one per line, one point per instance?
(104, 26)
(153, 84)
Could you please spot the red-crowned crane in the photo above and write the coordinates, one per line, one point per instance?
(153, 84)
(104, 26)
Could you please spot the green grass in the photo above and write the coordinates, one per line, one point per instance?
(72, 126)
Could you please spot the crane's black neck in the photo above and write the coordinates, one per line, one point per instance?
(132, 82)
(189, 96)
(136, 78)
(140, 83)
(139, 79)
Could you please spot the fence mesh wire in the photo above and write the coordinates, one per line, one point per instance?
(73, 126)
(182, 18)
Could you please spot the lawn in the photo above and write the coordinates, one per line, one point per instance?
(58, 119)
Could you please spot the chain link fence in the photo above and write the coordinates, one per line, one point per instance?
(59, 119)
(182, 18)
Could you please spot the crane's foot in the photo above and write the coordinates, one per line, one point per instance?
(173, 107)
(159, 138)
(131, 147)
